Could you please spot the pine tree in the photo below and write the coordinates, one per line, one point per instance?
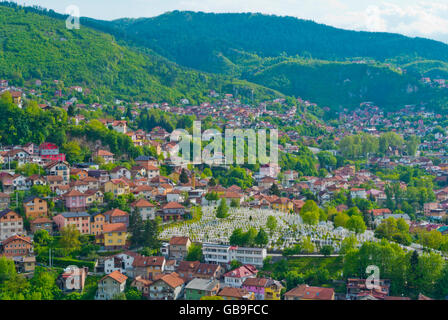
(212, 182)
(183, 176)
(274, 190)
(136, 228)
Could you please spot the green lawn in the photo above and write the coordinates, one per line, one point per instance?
(303, 264)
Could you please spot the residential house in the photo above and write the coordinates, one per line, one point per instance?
(35, 207)
(108, 157)
(79, 185)
(230, 196)
(97, 224)
(167, 287)
(25, 264)
(16, 246)
(252, 256)
(20, 182)
(263, 289)
(266, 182)
(11, 224)
(80, 173)
(173, 211)
(152, 171)
(147, 162)
(92, 183)
(142, 285)
(114, 236)
(145, 208)
(50, 151)
(120, 126)
(72, 279)
(4, 200)
(283, 204)
(178, 247)
(120, 172)
(122, 262)
(148, 267)
(75, 201)
(59, 168)
(187, 269)
(175, 196)
(208, 271)
(81, 220)
(111, 285)
(94, 197)
(235, 278)
(41, 224)
(198, 288)
(117, 187)
(357, 289)
(54, 182)
(101, 175)
(358, 193)
(6, 180)
(117, 216)
(231, 293)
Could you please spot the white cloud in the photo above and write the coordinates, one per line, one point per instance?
(426, 19)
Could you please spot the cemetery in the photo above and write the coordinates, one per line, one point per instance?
(290, 229)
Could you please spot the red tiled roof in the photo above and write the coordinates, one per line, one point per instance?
(255, 282)
(233, 292)
(172, 279)
(116, 213)
(117, 276)
(313, 293)
(74, 193)
(41, 220)
(173, 205)
(16, 237)
(104, 153)
(244, 271)
(179, 240)
(141, 261)
(114, 227)
(141, 203)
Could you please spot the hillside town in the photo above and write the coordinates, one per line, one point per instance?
(115, 224)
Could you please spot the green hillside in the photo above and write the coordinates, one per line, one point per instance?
(186, 54)
(342, 84)
(196, 39)
(281, 52)
(37, 46)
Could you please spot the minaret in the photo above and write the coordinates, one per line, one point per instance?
(193, 180)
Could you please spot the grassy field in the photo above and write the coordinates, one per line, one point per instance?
(302, 264)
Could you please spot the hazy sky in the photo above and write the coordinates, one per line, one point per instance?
(426, 18)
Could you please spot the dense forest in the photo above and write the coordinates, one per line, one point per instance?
(295, 57)
(34, 45)
(185, 54)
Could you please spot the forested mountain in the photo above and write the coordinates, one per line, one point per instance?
(333, 67)
(185, 54)
(38, 46)
(195, 38)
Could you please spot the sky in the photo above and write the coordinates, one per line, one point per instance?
(423, 18)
